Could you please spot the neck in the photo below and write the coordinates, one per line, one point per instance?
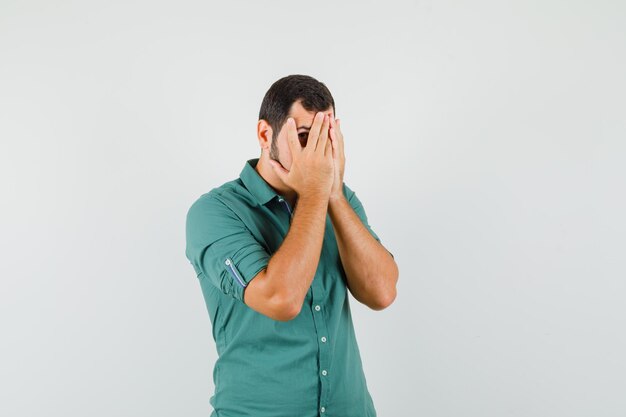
(267, 173)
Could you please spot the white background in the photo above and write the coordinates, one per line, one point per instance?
(486, 140)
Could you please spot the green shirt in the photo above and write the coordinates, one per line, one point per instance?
(308, 366)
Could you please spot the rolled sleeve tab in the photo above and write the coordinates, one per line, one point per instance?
(221, 247)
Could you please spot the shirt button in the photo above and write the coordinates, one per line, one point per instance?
(324, 372)
(317, 308)
(324, 339)
(322, 409)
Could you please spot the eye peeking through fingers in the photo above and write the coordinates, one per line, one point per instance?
(303, 137)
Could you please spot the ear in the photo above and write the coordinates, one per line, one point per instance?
(264, 134)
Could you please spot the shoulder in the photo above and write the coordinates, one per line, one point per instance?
(225, 198)
(205, 214)
(210, 206)
(207, 202)
(210, 218)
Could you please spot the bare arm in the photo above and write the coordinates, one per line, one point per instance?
(279, 290)
(370, 269)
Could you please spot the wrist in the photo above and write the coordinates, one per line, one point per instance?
(314, 198)
(335, 202)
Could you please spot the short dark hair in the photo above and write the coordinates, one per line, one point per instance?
(313, 95)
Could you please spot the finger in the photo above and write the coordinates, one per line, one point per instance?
(336, 136)
(278, 169)
(329, 148)
(332, 137)
(315, 131)
(339, 135)
(338, 127)
(292, 138)
(332, 131)
(321, 145)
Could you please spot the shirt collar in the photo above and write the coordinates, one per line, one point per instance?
(255, 184)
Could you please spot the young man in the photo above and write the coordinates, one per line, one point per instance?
(276, 251)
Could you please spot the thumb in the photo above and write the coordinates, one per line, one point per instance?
(278, 169)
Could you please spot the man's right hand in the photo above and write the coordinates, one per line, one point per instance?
(312, 169)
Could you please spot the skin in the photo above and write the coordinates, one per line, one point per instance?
(304, 120)
(310, 178)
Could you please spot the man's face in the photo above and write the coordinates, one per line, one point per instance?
(279, 149)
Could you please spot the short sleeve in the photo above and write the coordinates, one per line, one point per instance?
(358, 208)
(221, 248)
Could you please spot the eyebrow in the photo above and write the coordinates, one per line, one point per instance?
(305, 127)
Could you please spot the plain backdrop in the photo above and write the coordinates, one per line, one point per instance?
(486, 140)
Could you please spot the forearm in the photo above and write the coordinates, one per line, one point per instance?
(370, 269)
(292, 268)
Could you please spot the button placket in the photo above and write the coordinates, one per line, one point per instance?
(282, 200)
(324, 350)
